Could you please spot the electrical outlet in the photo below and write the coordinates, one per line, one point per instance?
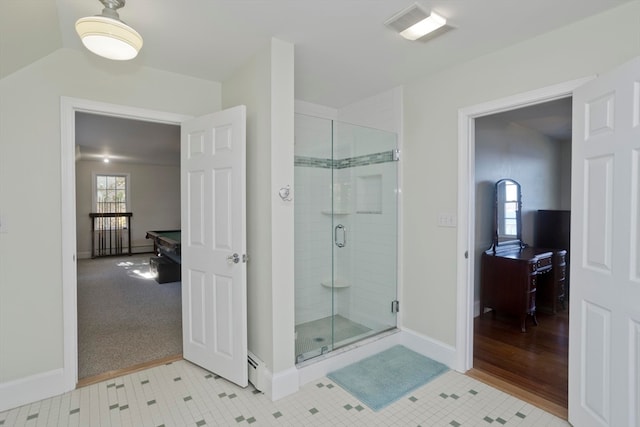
(447, 220)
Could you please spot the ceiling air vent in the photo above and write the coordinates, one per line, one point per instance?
(406, 18)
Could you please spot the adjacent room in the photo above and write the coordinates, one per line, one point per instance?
(127, 186)
(532, 147)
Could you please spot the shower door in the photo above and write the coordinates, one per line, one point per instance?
(345, 234)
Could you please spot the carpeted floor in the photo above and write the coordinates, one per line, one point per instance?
(124, 316)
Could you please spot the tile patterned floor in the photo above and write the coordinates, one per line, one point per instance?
(181, 394)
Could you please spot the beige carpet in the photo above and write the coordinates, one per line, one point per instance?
(125, 317)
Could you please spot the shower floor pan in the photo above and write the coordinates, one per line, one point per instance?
(313, 336)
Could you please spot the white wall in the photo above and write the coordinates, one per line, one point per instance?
(31, 310)
(265, 86)
(430, 170)
(506, 150)
(381, 111)
(565, 175)
(154, 201)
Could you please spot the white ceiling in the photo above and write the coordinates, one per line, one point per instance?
(552, 119)
(343, 51)
(127, 141)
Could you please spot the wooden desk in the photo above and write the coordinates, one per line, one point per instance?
(513, 279)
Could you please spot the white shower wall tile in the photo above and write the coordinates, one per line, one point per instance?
(312, 244)
(368, 262)
(353, 141)
(374, 252)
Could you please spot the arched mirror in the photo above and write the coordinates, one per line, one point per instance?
(508, 218)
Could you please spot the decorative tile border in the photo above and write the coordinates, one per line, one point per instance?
(312, 162)
(349, 162)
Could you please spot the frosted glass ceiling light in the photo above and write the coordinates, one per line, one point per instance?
(106, 35)
(424, 27)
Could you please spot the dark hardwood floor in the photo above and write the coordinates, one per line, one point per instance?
(536, 360)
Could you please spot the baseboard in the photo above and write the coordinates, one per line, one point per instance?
(31, 389)
(134, 251)
(281, 384)
(429, 347)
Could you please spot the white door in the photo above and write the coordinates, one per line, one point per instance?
(214, 269)
(604, 339)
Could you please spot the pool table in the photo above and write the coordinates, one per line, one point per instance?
(166, 243)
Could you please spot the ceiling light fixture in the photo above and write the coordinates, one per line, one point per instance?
(414, 23)
(424, 27)
(106, 35)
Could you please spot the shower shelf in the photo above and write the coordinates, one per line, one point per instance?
(338, 283)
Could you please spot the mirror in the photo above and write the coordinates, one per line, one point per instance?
(507, 221)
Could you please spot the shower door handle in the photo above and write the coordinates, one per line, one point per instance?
(340, 243)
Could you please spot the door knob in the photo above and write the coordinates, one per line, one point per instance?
(233, 259)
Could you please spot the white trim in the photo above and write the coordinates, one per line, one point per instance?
(281, 384)
(68, 108)
(434, 349)
(466, 202)
(31, 389)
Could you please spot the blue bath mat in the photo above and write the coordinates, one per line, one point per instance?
(385, 377)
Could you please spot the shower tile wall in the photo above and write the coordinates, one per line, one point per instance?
(374, 253)
(313, 238)
(368, 262)
(365, 203)
(312, 243)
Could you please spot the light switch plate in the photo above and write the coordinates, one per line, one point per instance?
(447, 220)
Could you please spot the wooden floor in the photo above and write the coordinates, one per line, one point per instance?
(536, 361)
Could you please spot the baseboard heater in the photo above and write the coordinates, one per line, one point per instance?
(256, 372)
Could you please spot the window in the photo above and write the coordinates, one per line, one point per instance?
(111, 193)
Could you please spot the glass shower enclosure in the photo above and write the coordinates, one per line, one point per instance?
(345, 234)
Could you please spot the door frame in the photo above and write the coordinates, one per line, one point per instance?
(68, 107)
(465, 305)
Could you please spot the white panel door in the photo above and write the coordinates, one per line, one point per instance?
(604, 339)
(214, 270)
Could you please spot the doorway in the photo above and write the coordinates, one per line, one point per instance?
(467, 306)
(125, 317)
(531, 145)
(69, 108)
